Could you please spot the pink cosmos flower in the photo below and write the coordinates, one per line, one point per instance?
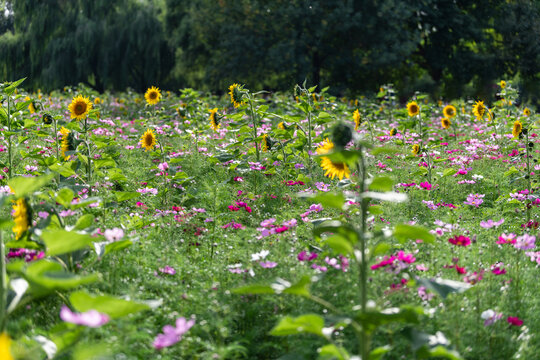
(490, 223)
(171, 335)
(525, 242)
(268, 264)
(507, 239)
(460, 240)
(303, 256)
(90, 318)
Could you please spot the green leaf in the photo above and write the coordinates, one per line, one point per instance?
(444, 287)
(309, 323)
(84, 222)
(449, 172)
(404, 232)
(280, 286)
(106, 304)
(381, 183)
(11, 88)
(125, 195)
(117, 246)
(23, 186)
(62, 170)
(371, 320)
(254, 289)
(327, 199)
(511, 171)
(103, 163)
(384, 150)
(332, 352)
(64, 197)
(62, 242)
(339, 245)
(375, 209)
(345, 232)
(378, 353)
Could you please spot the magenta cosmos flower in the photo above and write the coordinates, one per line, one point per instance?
(171, 335)
(460, 240)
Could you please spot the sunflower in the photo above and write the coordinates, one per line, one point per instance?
(22, 216)
(526, 112)
(148, 140)
(517, 128)
(214, 121)
(281, 126)
(325, 147)
(393, 131)
(65, 142)
(97, 101)
(502, 84)
(152, 95)
(79, 107)
(479, 110)
(266, 143)
(5, 344)
(334, 169)
(413, 109)
(415, 149)
(235, 91)
(47, 119)
(356, 118)
(449, 111)
(445, 122)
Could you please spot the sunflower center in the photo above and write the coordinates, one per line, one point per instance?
(153, 95)
(339, 166)
(80, 108)
(148, 139)
(414, 108)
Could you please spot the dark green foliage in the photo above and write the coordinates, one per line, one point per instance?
(446, 48)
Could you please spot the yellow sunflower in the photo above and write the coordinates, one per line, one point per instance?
(449, 111)
(334, 169)
(325, 147)
(393, 131)
(479, 110)
(413, 109)
(5, 345)
(445, 122)
(31, 107)
(152, 95)
(79, 107)
(235, 91)
(415, 149)
(97, 101)
(22, 217)
(214, 122)
(281, 126)
(526, 112)
(356, 118)
(148, 140)
(65, 142)
(517, 128)
(266, 143)
(502, 84)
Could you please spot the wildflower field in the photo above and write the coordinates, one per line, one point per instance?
(257, 225)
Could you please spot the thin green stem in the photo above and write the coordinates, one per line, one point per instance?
(3, 286)
(253, 121)
(10, 156)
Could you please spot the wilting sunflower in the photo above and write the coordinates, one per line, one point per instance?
(5, 345)
(65, 142)
(148, 140)
(517, 128)
(266, 143)
(502, 84)
(79, 107)
(413, 109)
(356, 118)
(235, 91)
(22, 216)
(152, 95)
(415, 149)
(214, 121)
(393, 131)
(47, 119)
(479, 110)
(526, 112)
(449, 111)
(445, 122)
(332, 168)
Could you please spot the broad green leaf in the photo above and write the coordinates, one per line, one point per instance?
(444, 287)
(511, 171)
(62, 170)
(381, 183)
(117, 246)
(254, 289)
(64, 197)
(327, 199)
(101, 163)
(309, 323)
(62, 242)
(378, 353)
(125, 195)
(371, 320)
(380, 249)
(438, 352)
(84, 222)
(332, 352)
(11, 88)
(23, 186)
(106, 304)
(338, 230)
(339, 244)
(449, 172)
(404, 232)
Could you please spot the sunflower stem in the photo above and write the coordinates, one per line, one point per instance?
(528, 177)
(10, 161)
(3, 285)
(252, 111)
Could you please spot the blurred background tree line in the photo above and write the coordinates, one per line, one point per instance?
(448, 48)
